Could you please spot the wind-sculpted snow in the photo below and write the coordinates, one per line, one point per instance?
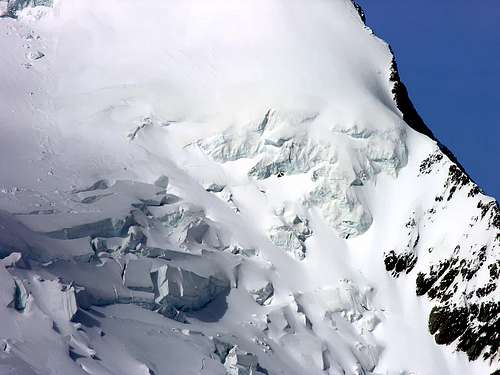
(214, 187)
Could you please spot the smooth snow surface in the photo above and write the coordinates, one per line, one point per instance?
(212, 187)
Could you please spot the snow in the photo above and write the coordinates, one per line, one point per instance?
(211, 187)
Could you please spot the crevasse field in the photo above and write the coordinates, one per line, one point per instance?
(229, 187)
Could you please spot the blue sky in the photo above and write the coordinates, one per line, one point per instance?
(448, 54)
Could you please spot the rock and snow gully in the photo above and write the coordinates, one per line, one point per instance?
(213, 187)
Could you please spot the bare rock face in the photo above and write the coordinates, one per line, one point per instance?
(461, 281)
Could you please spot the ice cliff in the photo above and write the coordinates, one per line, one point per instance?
(214, 187)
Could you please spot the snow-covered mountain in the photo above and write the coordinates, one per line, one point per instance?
(230, 187)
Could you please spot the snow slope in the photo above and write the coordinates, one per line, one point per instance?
(213, 187)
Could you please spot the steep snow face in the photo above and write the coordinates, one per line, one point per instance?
(210, 187)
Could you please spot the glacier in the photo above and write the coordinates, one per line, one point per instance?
(213, 187)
